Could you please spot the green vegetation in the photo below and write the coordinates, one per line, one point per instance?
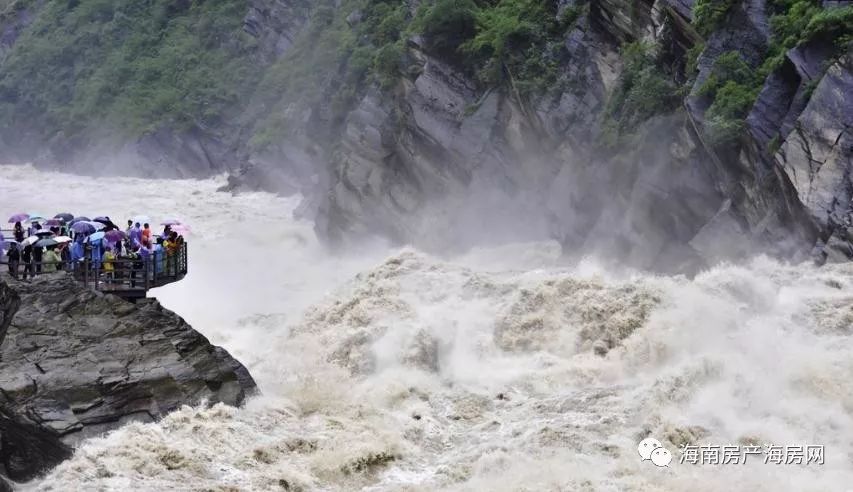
(446, 24)
(733, 85)
(129, 65)
(709, 14)
(798, 21)
(642, 92)
(503, 40)
(836, 23)
(333, 62)
(132, 66)
(691, 66)
(499, 42)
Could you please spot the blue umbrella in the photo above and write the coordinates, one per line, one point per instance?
(83, 228)
(96, 237)
(46, 243)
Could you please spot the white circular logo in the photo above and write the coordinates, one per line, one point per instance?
(646, 447)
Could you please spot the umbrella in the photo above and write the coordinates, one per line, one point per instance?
(97, 225)
(181, 229)
(170, 222)
(80, 219)
(64, 216)
(83, 228)
(62, 239)
(96, 237)
(35, 218)
(30, 240)
(6, 244)
(102, 220)
(115, 236)
(141, 219)
(54, 222)
(19, 218)
(45, 243)
(43, 232)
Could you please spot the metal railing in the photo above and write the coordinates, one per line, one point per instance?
(122, 276)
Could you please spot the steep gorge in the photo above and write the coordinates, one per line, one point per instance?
(600, 129)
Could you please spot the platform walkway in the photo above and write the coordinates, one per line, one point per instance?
(130, 279)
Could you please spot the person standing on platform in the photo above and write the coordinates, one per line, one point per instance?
(14, 259)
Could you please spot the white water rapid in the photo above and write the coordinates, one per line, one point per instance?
(502, 370)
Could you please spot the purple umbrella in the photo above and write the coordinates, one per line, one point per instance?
(18, 218)
(115, 236)
(83, 228)
(79, 219)
(64, 216)
(102, 220)
(54, 222)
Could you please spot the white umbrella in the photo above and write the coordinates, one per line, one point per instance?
(97, 225)
(62, 239)
(30, 240)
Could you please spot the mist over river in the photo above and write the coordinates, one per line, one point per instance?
(504, 369)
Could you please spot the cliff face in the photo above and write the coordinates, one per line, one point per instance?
(76, 363)
(438, 158)
(423, 167)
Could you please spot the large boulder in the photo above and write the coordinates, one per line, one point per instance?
(76, 363)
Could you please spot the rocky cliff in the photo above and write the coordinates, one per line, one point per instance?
(76, 363)
(623, 127)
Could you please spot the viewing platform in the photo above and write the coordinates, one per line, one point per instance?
(130, 278)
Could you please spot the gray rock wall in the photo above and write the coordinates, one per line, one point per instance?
(76, 363)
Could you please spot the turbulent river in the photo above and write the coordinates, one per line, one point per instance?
(505, 369)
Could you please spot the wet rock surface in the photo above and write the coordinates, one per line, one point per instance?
(77, 363)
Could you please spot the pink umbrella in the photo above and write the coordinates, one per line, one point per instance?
(181, 229)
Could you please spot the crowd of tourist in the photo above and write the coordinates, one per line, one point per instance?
(95, 247)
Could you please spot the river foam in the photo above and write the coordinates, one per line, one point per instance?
(391, 369)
